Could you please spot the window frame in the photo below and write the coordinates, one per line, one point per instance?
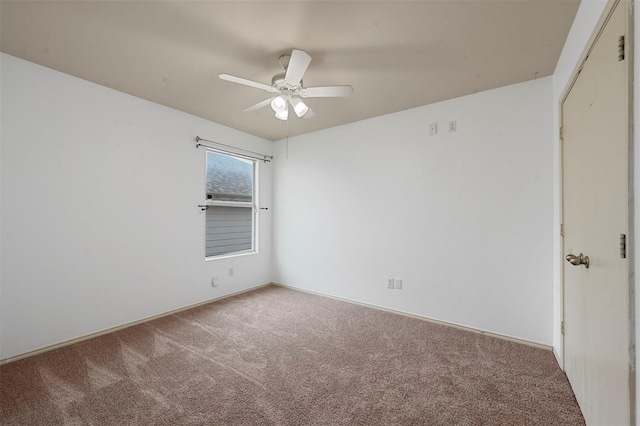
(245, 204)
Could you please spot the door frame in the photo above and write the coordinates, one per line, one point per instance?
(629, 58)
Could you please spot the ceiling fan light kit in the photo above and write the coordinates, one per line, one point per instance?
(289, 87)
(299, 107)
(278, 104)
(283, 115)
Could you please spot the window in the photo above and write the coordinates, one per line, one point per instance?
(230, 214)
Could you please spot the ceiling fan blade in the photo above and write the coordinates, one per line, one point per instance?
(326, 92)
(246, 82)
(309, 114)
(298, 64)
(259, 105)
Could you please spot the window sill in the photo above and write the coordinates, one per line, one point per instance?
(227, 256)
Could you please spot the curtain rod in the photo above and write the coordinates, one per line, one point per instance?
(262, 157)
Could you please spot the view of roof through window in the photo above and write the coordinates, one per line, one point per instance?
(229, 178)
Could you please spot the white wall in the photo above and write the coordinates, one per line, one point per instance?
(99, 219)
(465, 218)
(583, 26)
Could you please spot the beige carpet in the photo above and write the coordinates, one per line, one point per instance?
(276, 356)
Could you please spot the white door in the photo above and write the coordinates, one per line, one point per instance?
(595, 214)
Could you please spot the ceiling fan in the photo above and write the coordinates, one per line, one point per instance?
(288, 89)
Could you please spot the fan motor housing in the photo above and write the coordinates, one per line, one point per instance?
(278, 82)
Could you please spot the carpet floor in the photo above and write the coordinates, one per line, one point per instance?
(276, 356)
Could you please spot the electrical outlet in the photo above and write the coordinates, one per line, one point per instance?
(215, 282)
(399, 283)
(453, 126)
(230, 272)
(390, 282)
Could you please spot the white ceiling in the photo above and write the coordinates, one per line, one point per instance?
(396, 54)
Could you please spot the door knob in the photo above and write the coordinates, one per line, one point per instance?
(578, 260)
